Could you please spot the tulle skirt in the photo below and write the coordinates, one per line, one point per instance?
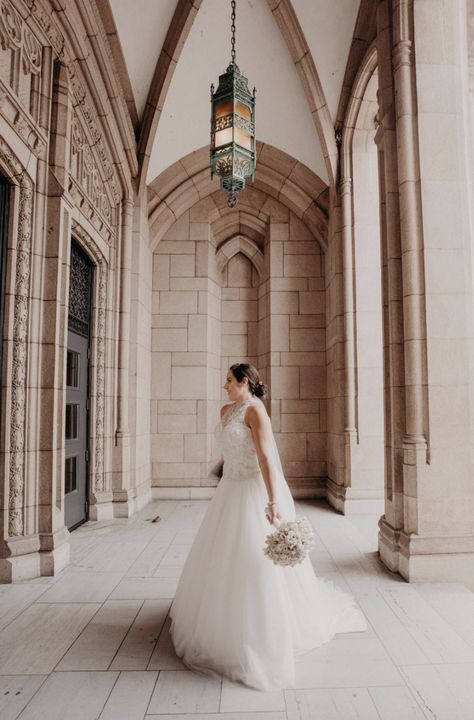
(235, 613)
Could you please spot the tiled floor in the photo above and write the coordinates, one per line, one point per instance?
(93, 642)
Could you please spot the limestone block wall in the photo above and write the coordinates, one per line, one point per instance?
(219, 297)
(185, 352)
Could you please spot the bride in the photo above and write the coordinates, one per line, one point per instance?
(235, 613)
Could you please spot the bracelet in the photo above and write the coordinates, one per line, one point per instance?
(272, 503)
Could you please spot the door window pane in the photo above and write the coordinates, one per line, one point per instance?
(71, 474)
(72, 371)
(72, 421)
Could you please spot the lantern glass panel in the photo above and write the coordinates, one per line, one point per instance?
(223, 137)
(223, 108)
(243, 110)
(243, 139)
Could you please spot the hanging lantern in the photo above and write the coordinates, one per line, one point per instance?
(232, 127)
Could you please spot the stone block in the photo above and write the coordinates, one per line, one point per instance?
(312, 382)
(279, 333)
(291, 446)
(176, 424)
(234, 346)
(299, 422)
(160, 375)
(197, 333)
(195, 447)
(172, 339)
(317, 358)
(285, 382)
(317, 446)
(177, 407)
(302, 265)
(167, 448)
(178, 302)
(239, 310)
(302, 339)
(284, 302)
(161, 272)
(312, 303)
(188, 383)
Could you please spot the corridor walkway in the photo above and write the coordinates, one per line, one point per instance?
(93, 642)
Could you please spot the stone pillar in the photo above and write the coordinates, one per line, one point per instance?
(435, 537)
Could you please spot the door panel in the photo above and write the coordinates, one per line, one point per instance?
(76, 430)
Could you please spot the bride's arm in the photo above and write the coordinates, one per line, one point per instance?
(259, 423)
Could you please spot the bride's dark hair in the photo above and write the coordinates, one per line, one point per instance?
(256, 386)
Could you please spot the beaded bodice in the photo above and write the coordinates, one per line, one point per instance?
(238, 449)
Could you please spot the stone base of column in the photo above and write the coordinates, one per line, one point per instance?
(127, 502)
(350, 501)
(101, 506)
(55, 551)
(427, 559)
(25, 558)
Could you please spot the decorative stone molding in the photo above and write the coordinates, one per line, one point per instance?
(10, 27)
(239, 244)
(16, 460)
(98, 409)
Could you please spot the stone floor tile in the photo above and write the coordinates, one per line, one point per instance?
(137, 648)
(36, 640)
(347, 672)
(438, 695)
(176, 555)
(71, 696)
(145, 588)
(15, 693)
(454, 602)
(397, 703)
(399, 642)
(164, 656)
(82, 587)
(169, 571)
(333, 704)
(130, 697)
(96, 646)
(438, 640)
(148, 561)
(15, 598)
(237, 698)
(182, 691)
(222, 716)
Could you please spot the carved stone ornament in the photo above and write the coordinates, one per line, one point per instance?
(16, 474)
(10, 26)
(99, 361)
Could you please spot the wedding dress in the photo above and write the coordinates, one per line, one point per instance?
(235, 613)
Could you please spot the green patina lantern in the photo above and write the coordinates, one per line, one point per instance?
(232, 128)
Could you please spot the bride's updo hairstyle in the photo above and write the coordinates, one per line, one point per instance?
(245, 370)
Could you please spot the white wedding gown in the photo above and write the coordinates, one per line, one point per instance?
(235, 613)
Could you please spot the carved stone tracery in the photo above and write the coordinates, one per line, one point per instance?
(16, 459)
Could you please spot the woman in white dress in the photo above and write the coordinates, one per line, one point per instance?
(235, 613)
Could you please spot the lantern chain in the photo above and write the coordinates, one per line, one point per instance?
(232, 27)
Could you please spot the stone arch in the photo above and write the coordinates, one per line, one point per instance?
(361, 297)
(277, 175)
(293, 36)
(239, 244)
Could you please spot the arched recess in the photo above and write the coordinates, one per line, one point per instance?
(362, 488)
(239, 244)
(208, 314)
(277, 175)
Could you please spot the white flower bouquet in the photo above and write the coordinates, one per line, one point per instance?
(290, 543)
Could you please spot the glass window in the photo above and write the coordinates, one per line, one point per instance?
(72, 421)
(72, 370)
(71, 474)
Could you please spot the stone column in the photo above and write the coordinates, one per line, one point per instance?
(435, 539)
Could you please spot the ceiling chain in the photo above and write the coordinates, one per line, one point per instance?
(232, 27)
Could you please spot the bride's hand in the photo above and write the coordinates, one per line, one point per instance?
(272, 513)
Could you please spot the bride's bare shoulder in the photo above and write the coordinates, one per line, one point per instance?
(225, 408)
(256, 413)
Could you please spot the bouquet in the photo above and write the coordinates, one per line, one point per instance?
(290, 543)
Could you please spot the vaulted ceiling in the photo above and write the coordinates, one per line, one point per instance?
(170, 51)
